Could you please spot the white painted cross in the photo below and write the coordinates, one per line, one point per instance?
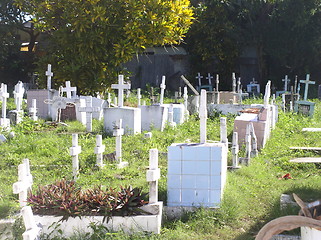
(121, 86)
(209, 78)
(18, 94)
(108, 99)
(162, 87)
(306, 82)
(33, 110)
(171, 122)
(139, 96)
(233, 82)
(185, 96)
(89, 109)
(32, 230)
(4, 95)
(223, 131)
(49, 75)
(24, 182)
(203, 116)
(199, 78)
(267, 94)
(217, 82)
(152, 176)
(69, 90)
(295, 83)
(254, 151)
(286, 80)
(99, 150)
(118, 132)
(235, 150)
(239, 89)
(74, 152)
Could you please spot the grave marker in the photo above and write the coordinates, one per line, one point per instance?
(75, 150)
(121, 86)
(49, 75)
(118, 132)
(286, 81)
(24, 182)
(33, 110)
(233, 82)
(267, 94)
(89, 110)
(306, 89)
(199, 79)
(139, 96)
(209, 78)
(69, 90)
(203, 116)
(185, 97)
(18, 97)
(239, 88)
(171, 122)
(4, 95)
(162, 87)
(152, 176)
(99, 150)
(223, 130)
(235, 150)
(32, 230)
(295, 83)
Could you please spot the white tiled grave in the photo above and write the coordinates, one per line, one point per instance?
(131, 119)
(196, 174)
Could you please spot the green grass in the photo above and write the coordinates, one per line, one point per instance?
(251, 196)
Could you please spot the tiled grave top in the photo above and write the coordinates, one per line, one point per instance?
(247, 117)
(196, 144)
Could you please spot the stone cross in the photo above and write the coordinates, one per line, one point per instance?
(152, 176)
(295, 83)
(99, 150)
(267, 94)
(118, 132)
(4, 95)
(233, 82)
(217, 82)
(24, 183)
(171, 122)
(239, 89)
(185, 96)
(32, 231)
(69, 90)
(248, 146)
(209, 78)
(286, 81)
(203, 116)
(75, 150)
(223, 131)
(18, 94)
(108, 99)
(89, 109)
(139, 96)
(121, 86)
(199, 78)
(235, 151)
(49, 75)
(33, 110)
(306, 82)
(253, 81)
(254, 150)
(162, 87)
(298, 90)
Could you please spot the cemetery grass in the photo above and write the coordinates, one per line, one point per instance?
(251, 196)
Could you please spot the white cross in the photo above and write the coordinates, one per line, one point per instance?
(89, 109)
(233, 82)
(69, 90)
(199, 78)
(253, 81)
(209, 77)
(121, 86)
(118, 132)
(32, 230)
(223, 130)
(239, 85)
(306, 82)
(74, 152)
(99, 150)
(171, 122)
(203, 116)
(235, 150)
(24, 183)
(217, 81)
(4, 95)
(18, 94)
(152, 176)
(162, 87)
(33, 110)
(49, 75)
(286, 81)
(139, 96)
(267, 94)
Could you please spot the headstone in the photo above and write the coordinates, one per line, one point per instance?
(185, 97)
(108, 100)
(306, 89)
(42, 96)
(253, 87)
(152, 176)
(139, 96)
(233, 83)
(203, 116)
(33, 110)
(239, 85)
(267, 94)
(223, 131)
(18, 97)
(295, 83)
(209, 78)
(121, 86)
(49, 75)
(70, 91)
(254, 150)
(89, 109)
(162, 87)
(286, 81)
(171, 122)
(99, 150)
(199, 79)
(235, 151)
(154, 117)
(75, 150)
(118, 132)
(32, 231)
(4, 121)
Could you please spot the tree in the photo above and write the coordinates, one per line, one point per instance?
(89, 40)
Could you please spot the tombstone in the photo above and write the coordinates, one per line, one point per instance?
(199, 79)
(185, 97)
(223, 131)
(152, 176)
(153, 117)
(253, 88)
(24, 182)
(171, 122)
(121, 86)
(305, 107)
(139, 96)
(235, 151)
(2, 138)
(75, 150)
(286, 81)
(57, 103)
(307, 82)
(118, 132)
(70, 91)
(196, 172)
(18, 97)
(33, 110)
(4, 121)
(99, 150)
(162, 87)
(32, 231)
(233, 83)
(49, 75)
(89, 110)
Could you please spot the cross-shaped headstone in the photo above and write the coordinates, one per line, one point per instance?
(118, 132)
(18, 94)
(217, 82)
(74, 152)
(203, 116)
(185, 96)
(24, 183)
(49, 75)
(306, 82)
(33, 110)
(171, 122)
(235, 150)
(162, 87)
(89, 109)
(233, 82)
(121, 86)
(152, 176)
(4, 95)
(99, 150)
(69, 90)
(209, 78)
(267, 94)
(286, 80)
(223, 130)
(108, 99)
(32, 230)
(295, 83)
(239, 88)
(139, 96)
(199, 78)
(253, 81)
